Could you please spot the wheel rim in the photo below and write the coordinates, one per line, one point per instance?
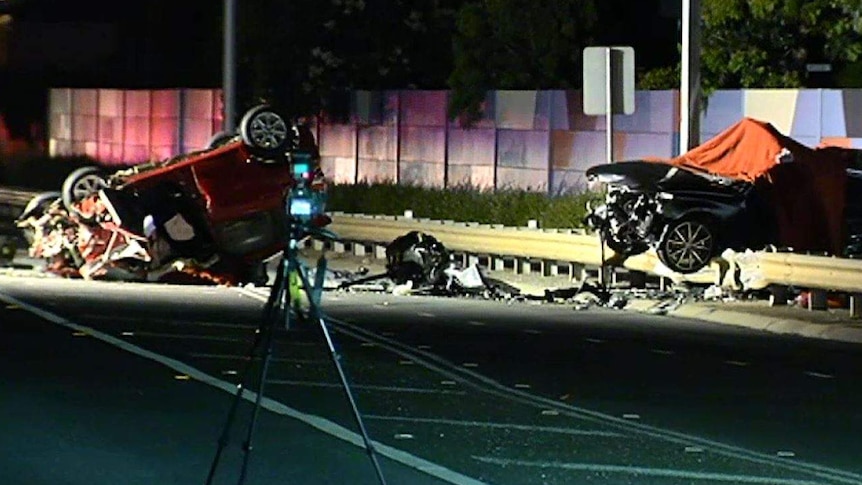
(86, 186)
(268, 130)
(689, 245)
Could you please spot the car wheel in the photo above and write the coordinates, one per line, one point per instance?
(79, 185)
(687, 245)
(265, 132)
(219, 139)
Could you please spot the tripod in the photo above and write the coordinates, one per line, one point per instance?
(276, 310)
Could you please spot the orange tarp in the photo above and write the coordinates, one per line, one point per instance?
(806, 196)
(746, 150)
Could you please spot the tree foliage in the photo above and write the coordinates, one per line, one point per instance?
(767, 43)
(517, 44)
(307, 55)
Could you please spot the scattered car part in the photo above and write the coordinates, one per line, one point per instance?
(416, 257)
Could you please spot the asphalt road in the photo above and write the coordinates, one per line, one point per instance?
(127, 383)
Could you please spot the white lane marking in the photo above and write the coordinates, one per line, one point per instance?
(662, 351)
(694, 449)
(786, 454)
(470, 364)
(213, 338)
(522, 386)
(595, 340)
(164, 321)
(640, 472)
(317, 422)
(737, 363)
(532, 331)
(361, 387)
(210, 338)
(403, 436)
(271, 359)
(819, 375)
(632, 416)
(491, 425)
(476, 323)
(426, 315)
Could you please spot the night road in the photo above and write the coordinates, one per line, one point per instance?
(128, 383)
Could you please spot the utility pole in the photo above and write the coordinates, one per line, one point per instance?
(229, 66)
(690, 93)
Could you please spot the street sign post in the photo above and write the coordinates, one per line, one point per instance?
(609, 86)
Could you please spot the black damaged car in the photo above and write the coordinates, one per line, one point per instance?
(686, 214)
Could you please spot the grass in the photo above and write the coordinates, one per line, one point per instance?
(509, 207)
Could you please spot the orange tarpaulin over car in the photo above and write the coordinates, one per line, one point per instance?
(805, 188)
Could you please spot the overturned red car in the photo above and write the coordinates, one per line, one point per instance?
(212, 216)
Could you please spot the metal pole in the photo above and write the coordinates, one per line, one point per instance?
(689, 94)
(609, 106)
(229, 66)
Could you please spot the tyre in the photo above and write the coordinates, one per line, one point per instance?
(687, 245)
(79, 185)
(265, 132)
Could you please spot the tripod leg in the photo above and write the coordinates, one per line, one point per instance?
(269, 314)
(267, 358)
(336, 359)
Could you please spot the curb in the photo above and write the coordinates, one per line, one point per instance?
(834, 331)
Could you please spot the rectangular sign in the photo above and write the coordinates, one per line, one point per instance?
(621, 80)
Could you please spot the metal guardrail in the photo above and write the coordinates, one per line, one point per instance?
(750, 270)
(13, 201)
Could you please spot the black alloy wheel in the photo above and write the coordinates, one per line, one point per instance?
(688, 244)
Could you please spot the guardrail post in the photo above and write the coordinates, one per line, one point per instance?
(339, 246)
(379, 251)
(498, 263)
(359, 249)
(856, 305)
(817, 300)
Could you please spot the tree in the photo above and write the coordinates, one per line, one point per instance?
(307, 55)
(517, 44)
(768, 43)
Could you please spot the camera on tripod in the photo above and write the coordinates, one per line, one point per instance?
(305, 199)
